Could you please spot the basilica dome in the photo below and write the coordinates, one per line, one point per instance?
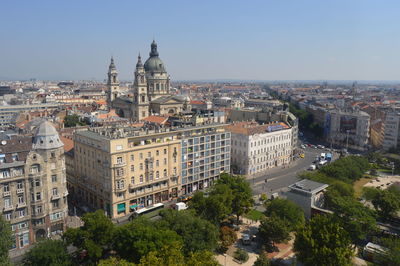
(154, 63)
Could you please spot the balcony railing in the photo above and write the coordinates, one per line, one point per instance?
(8, 208)
(21, 205)
(6, 194)
(20, 191)
(54, 197)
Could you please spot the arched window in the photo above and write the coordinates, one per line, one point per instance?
(165, 172)
(141, 179)
(157, 175)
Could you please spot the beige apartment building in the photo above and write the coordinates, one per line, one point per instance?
(33, 185)
(121, 170)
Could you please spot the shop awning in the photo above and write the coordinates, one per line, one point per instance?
(121, 207)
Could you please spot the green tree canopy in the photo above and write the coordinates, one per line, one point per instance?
(286, 210)
(113, 261)
(140, 237)
(94, 236)
(48, 253)
(323, 242)
(197, 234)
(392, 256)
(357, 219)
(242, 195)
(72, 121)
(5, 241)
(262, 260)
(273, 229)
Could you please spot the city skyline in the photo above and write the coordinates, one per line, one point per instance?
(345, 40)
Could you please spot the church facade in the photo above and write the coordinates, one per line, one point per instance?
(151, 90)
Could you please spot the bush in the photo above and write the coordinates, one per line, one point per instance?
(241, 255)
(228, 236)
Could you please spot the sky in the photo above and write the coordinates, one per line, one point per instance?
(202, 40)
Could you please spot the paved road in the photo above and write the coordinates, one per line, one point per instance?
(279, 178)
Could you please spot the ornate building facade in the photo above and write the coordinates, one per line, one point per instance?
(151, 90)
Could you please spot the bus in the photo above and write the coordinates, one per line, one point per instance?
(148, 212)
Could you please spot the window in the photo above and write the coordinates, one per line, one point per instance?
(157, 163)
(54, 178)
(55, 203)
(35, 169)
(165, 161)
(15, 157)
(38, 209)
(5, 173)
(37, 182)
(38, 196)
(6, 187)
(133, 180)
(119, 160)
(141, 155)
(55, 191)
(7, 216)
(53, 155)
(175, 172)
(120, 184)
(141, 166)
(165, 172)
(21, 212)
(21, 199)
(165, 151)
(23, 240)
(132, 157)
(148, 154)
(157, 175)
(7, 202)
(119, 147)
(132, 168)
(56, 216)
(174, 159)
(157, 152)
(141, 179)
(120, 172)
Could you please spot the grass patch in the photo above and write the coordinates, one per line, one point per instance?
(384, 170)
(358, 186)
(254, 215)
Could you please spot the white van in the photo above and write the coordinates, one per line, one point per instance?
(179, 206)
(312, 167)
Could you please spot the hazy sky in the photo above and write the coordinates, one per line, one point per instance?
(264, 40)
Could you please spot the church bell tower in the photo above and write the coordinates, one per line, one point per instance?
(112, 84)
(140, 97)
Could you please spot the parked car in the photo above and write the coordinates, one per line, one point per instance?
(312, 167)
(246, 240)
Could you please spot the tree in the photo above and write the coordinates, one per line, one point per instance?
(167, 255)
(94, 236)
(241, 255)
(72, 121)
(228, 236)
(138, 238)
(48, 252)
(286, 210)
(214, 208)
(387, 203)
(392, 256)
(201, 258)
(273, 229)
(357, 219)
(242, 195)
(262, 260)
(197, 234)
(5, 241)
(113, 261)
(323, 242)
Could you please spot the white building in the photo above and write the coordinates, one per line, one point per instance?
(257, 148)
(391, 137)
(348, 128)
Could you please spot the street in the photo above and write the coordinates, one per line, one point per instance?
(280, 178)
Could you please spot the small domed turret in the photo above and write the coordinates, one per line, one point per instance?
(46, 137)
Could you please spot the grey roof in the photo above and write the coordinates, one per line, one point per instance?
(46, 137)
(308, 186)
(164, 99)
(154, 63)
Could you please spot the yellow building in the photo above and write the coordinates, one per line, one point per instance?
(124, 169)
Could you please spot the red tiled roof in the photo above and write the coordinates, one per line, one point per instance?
(68, 143)
(197, 102)
(156, 119)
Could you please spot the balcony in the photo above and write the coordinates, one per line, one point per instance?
(20, 191)
(131, 186)
(120, 164)
(6, 194)
(120, 189)
(8, 208)
(65, 193)
(55, 197)
(21, 205)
